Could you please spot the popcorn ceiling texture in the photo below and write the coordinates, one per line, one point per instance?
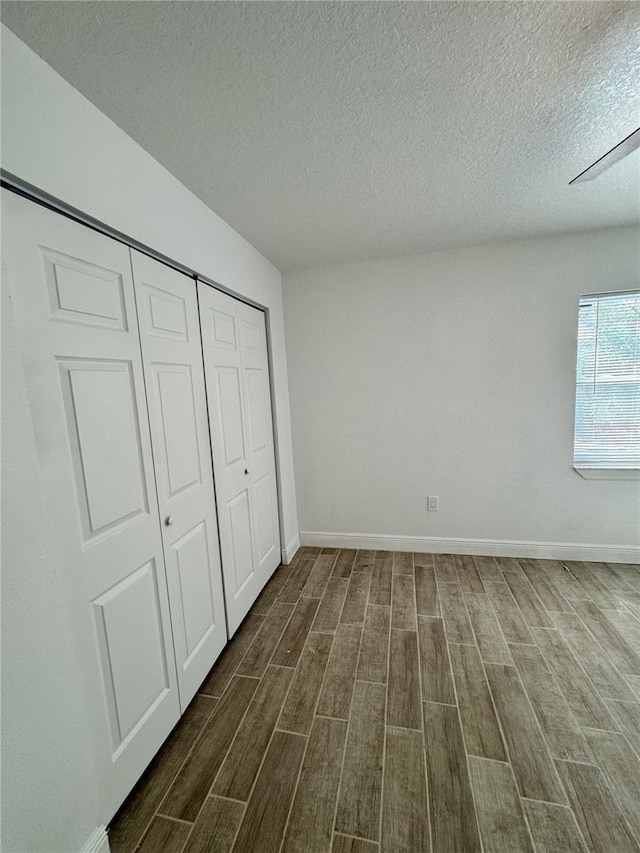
(330, 132)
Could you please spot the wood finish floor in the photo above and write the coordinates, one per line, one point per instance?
(378, 703)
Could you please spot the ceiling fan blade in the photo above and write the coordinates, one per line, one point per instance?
(629, 144)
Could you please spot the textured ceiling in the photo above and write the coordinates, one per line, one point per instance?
(328, 132)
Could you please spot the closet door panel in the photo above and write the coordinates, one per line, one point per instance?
(74, 305)
(236, 372)
(135, 668)
(221, 344)
(172, 358)
(261, 452)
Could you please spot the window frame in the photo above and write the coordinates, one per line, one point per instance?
(598, 472)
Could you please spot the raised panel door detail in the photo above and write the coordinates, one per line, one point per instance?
(75, 313)
(81, 292)
(196, 594)
(239, 511)
(178, 423)
(257, 399)
(230, 413)
(104, 432)
(167, 314)
(264, 510)
(250, 337)
(224, 330)
(132, 654)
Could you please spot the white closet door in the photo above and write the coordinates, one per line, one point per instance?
(238, 392)
(172, 358)
(260, 449)
(72, 291)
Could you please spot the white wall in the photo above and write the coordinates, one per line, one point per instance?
(55, 139)
(452, 374)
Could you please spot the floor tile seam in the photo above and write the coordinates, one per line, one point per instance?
(237, 831)
(277, 645)
(326, 583)
(508, 762)
(607, 731)
(239, 726)
(613, 592)
(173, 820)
(287, 732)
(227, 751)
(612, 792)
(462, 735)
(366, 610)
(425, 775)
(470, 621)
(630, 612)
(519, 799)
(295, 787)
(257, 776)
(576, 658)
(357, 838)
(257, 634)
(522, 616)
(346, 737)
(346, 597)
(314, 713)
(385, 716)
(606, 699)
(567, 808)
(569, 715)
(284, 699)
(223, 797)
(333, 635)
(569, 600)
(535, 717)
(535, 593)
(444, 621)
(177, 819)
(157, 812)
(606, 777)
(579, 582)
(235, 670)
(415, 603)
(499, 622)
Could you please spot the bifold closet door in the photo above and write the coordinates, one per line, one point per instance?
(239, 398)
(172, 359)
(73, 298)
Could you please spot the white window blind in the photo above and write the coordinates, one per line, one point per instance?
(607, 426)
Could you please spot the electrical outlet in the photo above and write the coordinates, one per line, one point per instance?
(433, 503)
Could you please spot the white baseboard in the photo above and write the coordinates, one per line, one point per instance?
(289, 552)
(479, 547)
(98, 842)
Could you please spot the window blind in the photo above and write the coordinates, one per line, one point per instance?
(607, 425)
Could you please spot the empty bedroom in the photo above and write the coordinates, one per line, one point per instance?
(320, 426)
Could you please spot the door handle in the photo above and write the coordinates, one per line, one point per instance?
(169, 520)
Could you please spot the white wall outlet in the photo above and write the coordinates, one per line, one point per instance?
(433, 503)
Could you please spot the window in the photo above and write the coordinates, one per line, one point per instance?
(607, 425)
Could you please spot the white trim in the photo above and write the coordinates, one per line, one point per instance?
(98, 841)
(485, 547)
(607, 473)
(289, 552)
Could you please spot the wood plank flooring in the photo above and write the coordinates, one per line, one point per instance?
(378, 702)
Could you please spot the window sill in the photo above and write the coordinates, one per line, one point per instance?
(608, 473)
